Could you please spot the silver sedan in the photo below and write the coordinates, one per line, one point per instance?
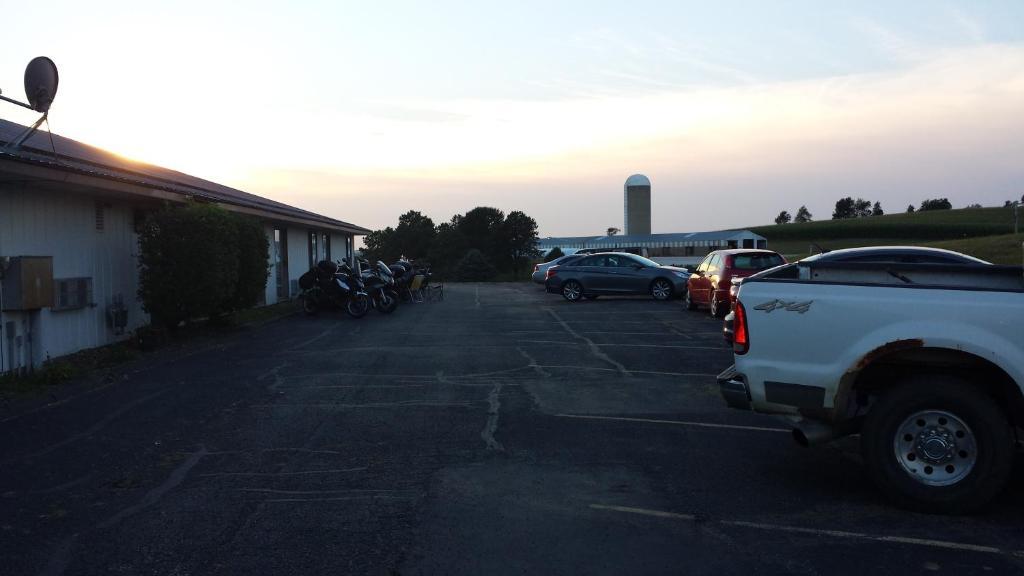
(616, 273)
(541, 269)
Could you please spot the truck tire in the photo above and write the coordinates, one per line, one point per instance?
(938, 444)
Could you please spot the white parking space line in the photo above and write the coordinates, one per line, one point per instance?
(652, 372)
(672, 346)
(676, 346)
(676, 422)
(842, 534)
(643, 512)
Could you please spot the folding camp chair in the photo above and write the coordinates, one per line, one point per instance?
(416, 287)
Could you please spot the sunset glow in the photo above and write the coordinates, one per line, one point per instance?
(286, 106)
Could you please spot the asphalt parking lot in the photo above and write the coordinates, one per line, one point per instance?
(501, 431)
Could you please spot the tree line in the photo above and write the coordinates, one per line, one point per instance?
(475, 246)
(850, 207)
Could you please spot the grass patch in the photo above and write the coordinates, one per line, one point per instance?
(60, 370)
(263, 314)
(1004, 249)
(1001, 249)
(981, 232)
(80, 364)
(924, 226)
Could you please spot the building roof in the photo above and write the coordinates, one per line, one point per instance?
(76, 157)
(636, 239)
(638, 180)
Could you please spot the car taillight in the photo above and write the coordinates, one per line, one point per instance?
(550, 272)
(536, 267)
(740, 335)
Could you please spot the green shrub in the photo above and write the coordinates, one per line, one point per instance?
(555, 252)
(474, 267)
(253, 262)
(200, 260)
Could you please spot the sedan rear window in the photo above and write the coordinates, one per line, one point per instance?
(756, 261)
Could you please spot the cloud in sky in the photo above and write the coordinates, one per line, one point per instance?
(950, 125)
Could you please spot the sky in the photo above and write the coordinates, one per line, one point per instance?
(364, 110)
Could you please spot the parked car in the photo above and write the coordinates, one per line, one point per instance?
(639, 251)
(709, 285)
(540, 270)
(615, 273)
(923, 359)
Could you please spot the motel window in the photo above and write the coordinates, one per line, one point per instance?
(312, 249)
(327, 246)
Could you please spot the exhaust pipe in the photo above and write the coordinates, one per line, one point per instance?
(808, 433)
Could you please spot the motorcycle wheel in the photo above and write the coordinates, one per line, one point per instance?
(357, 306)
(309, 305)
(388, 302)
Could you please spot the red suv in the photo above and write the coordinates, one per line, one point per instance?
(709, 285)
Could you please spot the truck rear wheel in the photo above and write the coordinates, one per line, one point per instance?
(938, 444)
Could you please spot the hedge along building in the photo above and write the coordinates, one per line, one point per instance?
(69, 221)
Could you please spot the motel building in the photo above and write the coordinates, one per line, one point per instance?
(69, 221)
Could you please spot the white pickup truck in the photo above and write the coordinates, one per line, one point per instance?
(919, 351)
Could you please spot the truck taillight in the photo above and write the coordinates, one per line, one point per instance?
(740, 334)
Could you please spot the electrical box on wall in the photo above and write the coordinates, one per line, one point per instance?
(28, 283)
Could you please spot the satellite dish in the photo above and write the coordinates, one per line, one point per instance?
(41, 83)
(40, 87)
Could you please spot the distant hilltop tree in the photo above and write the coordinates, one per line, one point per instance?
(613, 231)
(783, 218)
(876, 210)
(973, 206)
(911, 209)
(803, 215)
(935, 204)
(850, 208)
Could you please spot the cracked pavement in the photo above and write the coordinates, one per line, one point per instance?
(501, 431)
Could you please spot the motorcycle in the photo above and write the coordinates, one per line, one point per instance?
(328, 285)
(380, 287)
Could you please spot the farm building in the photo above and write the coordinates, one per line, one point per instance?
(69, 217)
(682, 247)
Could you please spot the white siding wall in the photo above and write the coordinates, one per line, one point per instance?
(63, 225)
(36, 223)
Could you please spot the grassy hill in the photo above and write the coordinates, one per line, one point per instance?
(982, 232)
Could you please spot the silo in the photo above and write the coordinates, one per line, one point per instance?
(638, 204)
